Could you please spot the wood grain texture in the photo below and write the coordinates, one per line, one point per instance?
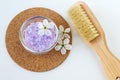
(25, 59)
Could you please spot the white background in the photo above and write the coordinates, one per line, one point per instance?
(82, 63)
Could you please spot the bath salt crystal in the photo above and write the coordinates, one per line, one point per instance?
(38, 37)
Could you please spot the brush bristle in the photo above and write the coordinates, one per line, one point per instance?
(82, 22)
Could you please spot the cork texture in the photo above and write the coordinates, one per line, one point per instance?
(25, 59)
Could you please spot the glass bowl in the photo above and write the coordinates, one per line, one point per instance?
(38, 34)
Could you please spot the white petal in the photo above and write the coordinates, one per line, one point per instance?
(51, 25)
(68, 47)
(58, 47)
(66, 41)
(48, 32)
(40, 25)
(41, 32)
(67, 35)
(59, 41)
(63, 51)
(67, 30)
(61, 28)
(61, 36)
(45, 22)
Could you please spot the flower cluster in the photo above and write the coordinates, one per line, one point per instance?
(64, 40)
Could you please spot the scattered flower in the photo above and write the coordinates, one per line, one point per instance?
(44, 27)
(64, 32)
(63, 46)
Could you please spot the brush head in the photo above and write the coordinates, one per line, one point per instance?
(82, 22)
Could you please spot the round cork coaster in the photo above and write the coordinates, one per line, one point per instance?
(25, 59)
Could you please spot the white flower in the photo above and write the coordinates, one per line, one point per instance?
(44, 27)
(63, 45)
(118, 79)
(64, 32)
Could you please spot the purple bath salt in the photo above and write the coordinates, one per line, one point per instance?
(39, 36)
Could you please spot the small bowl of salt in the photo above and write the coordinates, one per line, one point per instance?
(38, 34)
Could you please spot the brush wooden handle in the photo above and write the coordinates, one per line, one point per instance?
(110, 63)
(89, 28)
